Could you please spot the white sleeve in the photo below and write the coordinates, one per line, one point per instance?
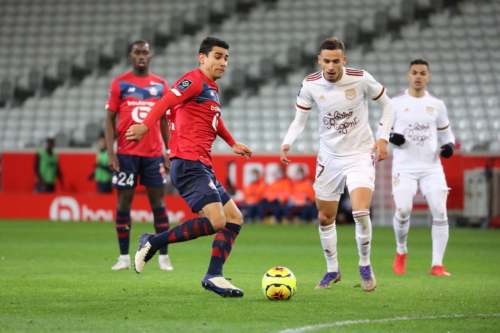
(443, 126)
(373, 89)
(304, 98)
(446, 135)
(303, 107)
(296, 127)
(387, 118)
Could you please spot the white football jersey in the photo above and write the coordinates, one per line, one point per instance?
(343, 110)
(419, 120)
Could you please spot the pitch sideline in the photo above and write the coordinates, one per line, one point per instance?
(364, 321)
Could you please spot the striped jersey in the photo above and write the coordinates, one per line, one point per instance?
(344, 130)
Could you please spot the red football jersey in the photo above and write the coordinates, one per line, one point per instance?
(173, 130)
(133, 97)
(196, 117)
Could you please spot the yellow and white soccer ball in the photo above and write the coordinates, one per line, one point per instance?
(279, 283)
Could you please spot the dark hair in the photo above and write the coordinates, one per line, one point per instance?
(139, 41)
(209, 42)
(420, 62)
(332, 44)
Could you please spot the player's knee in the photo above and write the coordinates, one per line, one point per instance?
(234, 217)
(325, 219)
(403, 213)
(218, 223)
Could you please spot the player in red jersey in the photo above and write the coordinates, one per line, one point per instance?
(131, 97)
(197, 124)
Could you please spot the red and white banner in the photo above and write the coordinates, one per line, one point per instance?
(78, 199)
(84, 207)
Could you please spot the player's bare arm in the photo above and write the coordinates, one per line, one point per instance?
(109, 135)
(381, 148)
(284, 150)
(243, 150)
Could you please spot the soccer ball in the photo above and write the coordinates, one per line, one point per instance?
(279, 283)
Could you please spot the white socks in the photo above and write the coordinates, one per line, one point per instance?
(363, 235)
(439, 241)
(328, 237)
(401, 229)
(124, 257)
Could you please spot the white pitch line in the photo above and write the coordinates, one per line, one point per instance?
(353, 322)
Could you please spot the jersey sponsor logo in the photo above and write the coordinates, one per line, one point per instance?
(350, 94)
(140, 113)
(153, 91)
(430, 110)
(140, 103)
(184, 84)
(418, 133)
(340, 121)
(322, 98)
(407, 110)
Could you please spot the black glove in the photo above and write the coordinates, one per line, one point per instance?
(397, 139)
(447, 150)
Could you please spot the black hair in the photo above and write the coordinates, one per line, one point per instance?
(420, 62)
(139, 41)
(332, 44)
(209, 42)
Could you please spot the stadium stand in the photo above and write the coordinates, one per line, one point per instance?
(64, 55)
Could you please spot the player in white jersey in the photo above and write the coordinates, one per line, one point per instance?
(420, 119)
(346, 150)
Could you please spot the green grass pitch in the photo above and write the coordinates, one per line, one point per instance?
(56, 277)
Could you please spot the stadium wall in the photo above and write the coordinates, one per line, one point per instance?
(79, 200)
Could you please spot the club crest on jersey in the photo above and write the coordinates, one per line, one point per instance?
(350, 94)
(430, 110)
(184, 84)
(396, 180)
(153, 91)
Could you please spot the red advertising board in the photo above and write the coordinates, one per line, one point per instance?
(17, 199)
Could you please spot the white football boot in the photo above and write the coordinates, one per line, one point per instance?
(164, 262)
(123, 262)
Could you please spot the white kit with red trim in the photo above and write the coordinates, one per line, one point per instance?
(343, 110)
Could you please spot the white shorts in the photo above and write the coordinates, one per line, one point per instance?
(333, 174)
(427, 181)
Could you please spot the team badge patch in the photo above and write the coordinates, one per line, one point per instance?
(184, 84)
(430, 110)
(153, 91)
(350, 94)
(396, 180)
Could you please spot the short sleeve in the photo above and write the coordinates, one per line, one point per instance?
(304, 98)
(187, 88)
(442, 121)
(113, 102)
(373, 89)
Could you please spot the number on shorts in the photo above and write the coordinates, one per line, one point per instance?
(322, 169)
(123, 180)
